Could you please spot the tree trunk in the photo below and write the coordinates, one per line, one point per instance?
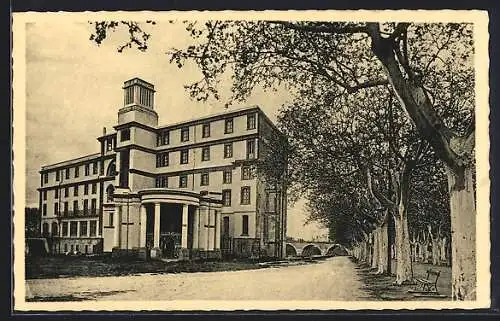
(375, 256)
(368, 250)
(435, 246)
(435, 251)
(403, 265)
(463, 229)
(442, 249)
(383, 245)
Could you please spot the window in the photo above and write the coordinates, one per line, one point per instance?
(66, 191)
(57, 175)
(163, 138)
(86, 189)
(45, 229)
(125, 134)
(226, 197)
(250, 121)
(246, 172)
(206, 130)
(93, 206)
(110, 190)
(250, 149)
(109, 144)
(75, 190)
(245, 195)
(205, 153)
(44, 195)
(56, 193)
(44, 209)
(77, 172)
(85, 207)
(183, 181)
(55, 228)
(87, 169)
(228, 126)
(65, 230)
(184, 156)
(204, 179)
(185, 134)
(56, 209)
(110, 219)
(66, 173)
(228, 150)
(162, 182)
(124, 168)
(73, 227)
(93, 228)
(46, 178)
(75, 207)
(225, 225)
(227, 177)
(94, 188)
(83, 228)
(162, 160)
(101, 169)
(66, 208)
(94, 168)
(111, 169)
(244, 227)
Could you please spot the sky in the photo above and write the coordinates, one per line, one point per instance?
(74, 89)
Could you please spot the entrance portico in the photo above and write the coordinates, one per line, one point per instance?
(179, 224)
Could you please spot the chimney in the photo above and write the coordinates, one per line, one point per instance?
(104, 131)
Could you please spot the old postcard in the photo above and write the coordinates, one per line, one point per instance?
(251, 160)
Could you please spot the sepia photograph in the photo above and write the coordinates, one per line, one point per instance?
(251, 160)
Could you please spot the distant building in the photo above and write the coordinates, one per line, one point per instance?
(178, 191)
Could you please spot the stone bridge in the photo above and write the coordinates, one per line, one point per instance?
(296, 248)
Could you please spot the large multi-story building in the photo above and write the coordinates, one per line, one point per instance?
(182, 190)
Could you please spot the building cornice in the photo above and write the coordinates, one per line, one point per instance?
(201, 120)
(70, 184)
(74, 162)
(134, 124)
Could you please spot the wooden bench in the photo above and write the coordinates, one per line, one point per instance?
(429, 284)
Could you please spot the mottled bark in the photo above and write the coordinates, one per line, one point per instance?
(463, 229)
(383, 245)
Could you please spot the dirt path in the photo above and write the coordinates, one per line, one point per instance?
(332, 279)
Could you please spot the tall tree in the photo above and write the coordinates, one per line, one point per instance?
(420, 62)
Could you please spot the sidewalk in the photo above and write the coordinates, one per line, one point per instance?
(381, 287)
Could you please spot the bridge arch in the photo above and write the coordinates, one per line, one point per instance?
(310, 250)
(290, 250)
(336, 250)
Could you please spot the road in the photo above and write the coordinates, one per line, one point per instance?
(332, 279)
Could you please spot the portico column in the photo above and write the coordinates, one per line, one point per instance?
(156, 242)
(203, 232)
(143, 222)
(118, 226)
(97, 228)
(88, 228)
(210, 224)
(77, 228)
(196, 228)
(217, 229)
(184, 231)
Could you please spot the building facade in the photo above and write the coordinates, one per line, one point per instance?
(185, 190)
